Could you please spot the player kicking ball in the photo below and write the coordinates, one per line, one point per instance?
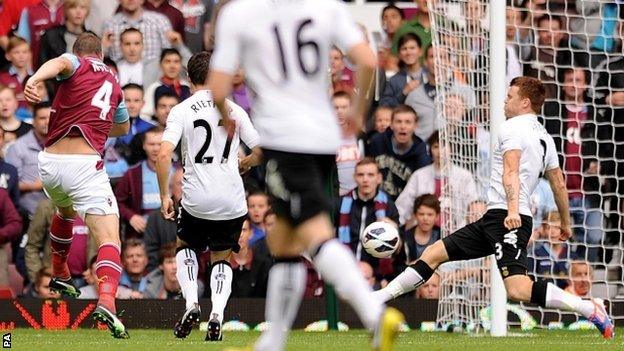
(87, 109)
(285, 58)
(213, 206)
(524, 151)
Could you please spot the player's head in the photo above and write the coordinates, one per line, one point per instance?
(574, 84)
(76, 11)
(431, 289)
(403, 124)
(170, 63)
(476, 209)
(198, 66)
(342, 103)
(165, 101)
(434, 147)
(391, 18)
(409, 49)
(41, 117)
(131, 41)
(167, 261)
(133, 97)
(8, 102)
(151, 143)
(525, 95)
(426, 211)
(18, 52)
(383, 118)
(257, 205)
(581, 274)
(367, 176)
(134, 257)
(88, 44)
(42, 284)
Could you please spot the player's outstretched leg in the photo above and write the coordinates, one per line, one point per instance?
(521, 288)
(287, 280)
(61, 235)
(188, 267)
(221, 288)
(415, 275)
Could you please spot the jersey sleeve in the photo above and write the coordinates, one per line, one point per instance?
(174, 129)
(248, 133)
(509, 139)
(551, 159)
(227, 43)
(75, 61)
(121, 114)
(346, 33)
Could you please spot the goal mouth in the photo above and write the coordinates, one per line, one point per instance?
(577, 55)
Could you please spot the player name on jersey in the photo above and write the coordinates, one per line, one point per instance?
(202, 104)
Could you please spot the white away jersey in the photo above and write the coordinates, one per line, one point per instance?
(212, 187)
(283, 46)
(538, 154)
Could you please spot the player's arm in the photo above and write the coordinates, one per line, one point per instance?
(251, 160)
(511, 184)
(163, 166)
(220, 84)
(558, 186)
(61, 66)
(121, 121)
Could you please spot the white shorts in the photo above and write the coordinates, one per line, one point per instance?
(74, 181)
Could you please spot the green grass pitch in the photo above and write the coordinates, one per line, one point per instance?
(155, 340)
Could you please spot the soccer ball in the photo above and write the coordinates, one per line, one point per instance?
(380, 239)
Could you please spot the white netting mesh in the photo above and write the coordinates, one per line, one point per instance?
(575, 48)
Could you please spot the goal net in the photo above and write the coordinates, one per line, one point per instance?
(574, 47)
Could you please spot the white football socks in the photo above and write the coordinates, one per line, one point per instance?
(186, 273)
(221, 288)
(405, 282)
(287, 282)
(338, 267)
(560, 299)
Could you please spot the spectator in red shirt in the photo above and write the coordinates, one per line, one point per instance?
(19, 54)
(341, 77)
(173, 14)
(35, 20)
(10, 12)
(10, 227)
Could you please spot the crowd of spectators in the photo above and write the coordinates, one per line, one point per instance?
(391, 171)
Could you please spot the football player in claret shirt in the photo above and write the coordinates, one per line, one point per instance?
(88, 108)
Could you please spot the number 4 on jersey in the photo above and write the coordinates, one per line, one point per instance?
(101, 99)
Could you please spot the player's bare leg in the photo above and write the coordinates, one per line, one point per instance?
(522, 288)
(61, 235)
(416, 274)
(105, 229)
(188, 267)
(221, 277)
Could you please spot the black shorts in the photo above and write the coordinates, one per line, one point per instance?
(489, 236)
(201, 233)
(300, 185)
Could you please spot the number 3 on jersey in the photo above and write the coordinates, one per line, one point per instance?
(101, 99)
